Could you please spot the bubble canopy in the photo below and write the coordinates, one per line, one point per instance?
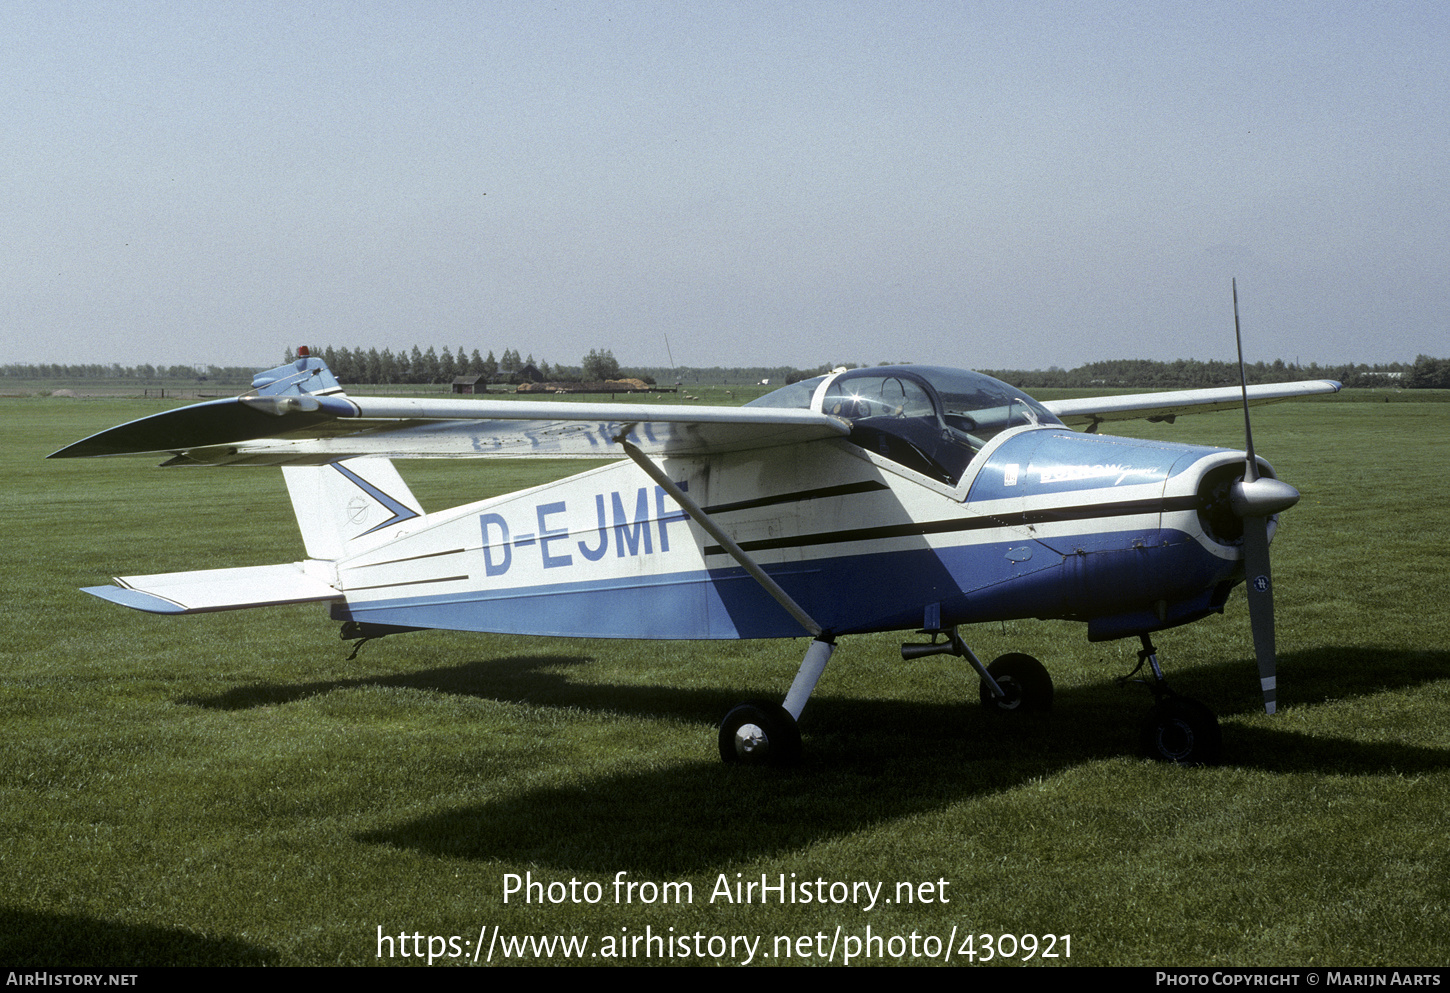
(930, 419)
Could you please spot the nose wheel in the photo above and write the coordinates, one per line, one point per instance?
(1181, 731)
(1177, 729)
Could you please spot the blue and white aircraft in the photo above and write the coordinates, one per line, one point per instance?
(897, 498)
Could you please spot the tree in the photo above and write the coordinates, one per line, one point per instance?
(1429, 373)
(599, 365)
(510, 364)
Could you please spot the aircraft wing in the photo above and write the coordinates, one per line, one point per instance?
(317, 429)
(1166, 406)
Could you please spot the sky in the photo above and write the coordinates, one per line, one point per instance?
(973, 184)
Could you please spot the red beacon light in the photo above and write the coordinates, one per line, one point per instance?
(303, 351)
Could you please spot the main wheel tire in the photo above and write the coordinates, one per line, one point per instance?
(1181, 731)
(759, 733)
(1025, 681)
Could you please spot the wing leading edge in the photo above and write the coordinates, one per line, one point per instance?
(315, 430)
(1092, 411)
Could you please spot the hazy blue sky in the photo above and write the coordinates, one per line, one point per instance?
(978, 184)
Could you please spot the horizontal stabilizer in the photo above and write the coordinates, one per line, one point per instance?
(217, 589)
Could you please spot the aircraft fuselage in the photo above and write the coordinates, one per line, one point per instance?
(1045, 522)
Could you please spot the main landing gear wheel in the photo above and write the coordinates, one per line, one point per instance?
(1182, 731)
(1025, 682)
(760, 734)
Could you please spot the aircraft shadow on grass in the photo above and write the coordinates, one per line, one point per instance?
(1326, 673)
(513, 679)
(869, 760)
(36, 939)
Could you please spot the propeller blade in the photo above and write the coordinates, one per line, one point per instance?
(1251, 464)
(1260, 586)
(1254, 498)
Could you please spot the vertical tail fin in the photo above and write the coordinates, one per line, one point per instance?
(344, 503)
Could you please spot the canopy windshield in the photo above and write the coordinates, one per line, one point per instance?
(929, 419)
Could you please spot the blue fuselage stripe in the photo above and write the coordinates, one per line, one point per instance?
(1106, 573)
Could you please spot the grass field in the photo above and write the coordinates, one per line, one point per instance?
(228, 788)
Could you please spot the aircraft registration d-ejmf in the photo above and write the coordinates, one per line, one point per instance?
(897, 498)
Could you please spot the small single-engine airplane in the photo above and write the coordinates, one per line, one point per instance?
(896, 498)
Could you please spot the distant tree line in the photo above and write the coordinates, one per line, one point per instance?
(728, 375)
(430, 366)
(1120, 374)
(138, 373)
(357, 365)
(349, 365)
(1193, 374)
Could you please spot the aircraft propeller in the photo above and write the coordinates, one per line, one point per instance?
(1254, 500)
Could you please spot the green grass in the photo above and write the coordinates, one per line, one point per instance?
(228, 788)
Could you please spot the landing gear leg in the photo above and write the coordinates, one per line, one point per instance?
(1011, 684)
(1177, 729)
(760, 733)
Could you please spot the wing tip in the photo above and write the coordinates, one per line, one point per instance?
(135, 599)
